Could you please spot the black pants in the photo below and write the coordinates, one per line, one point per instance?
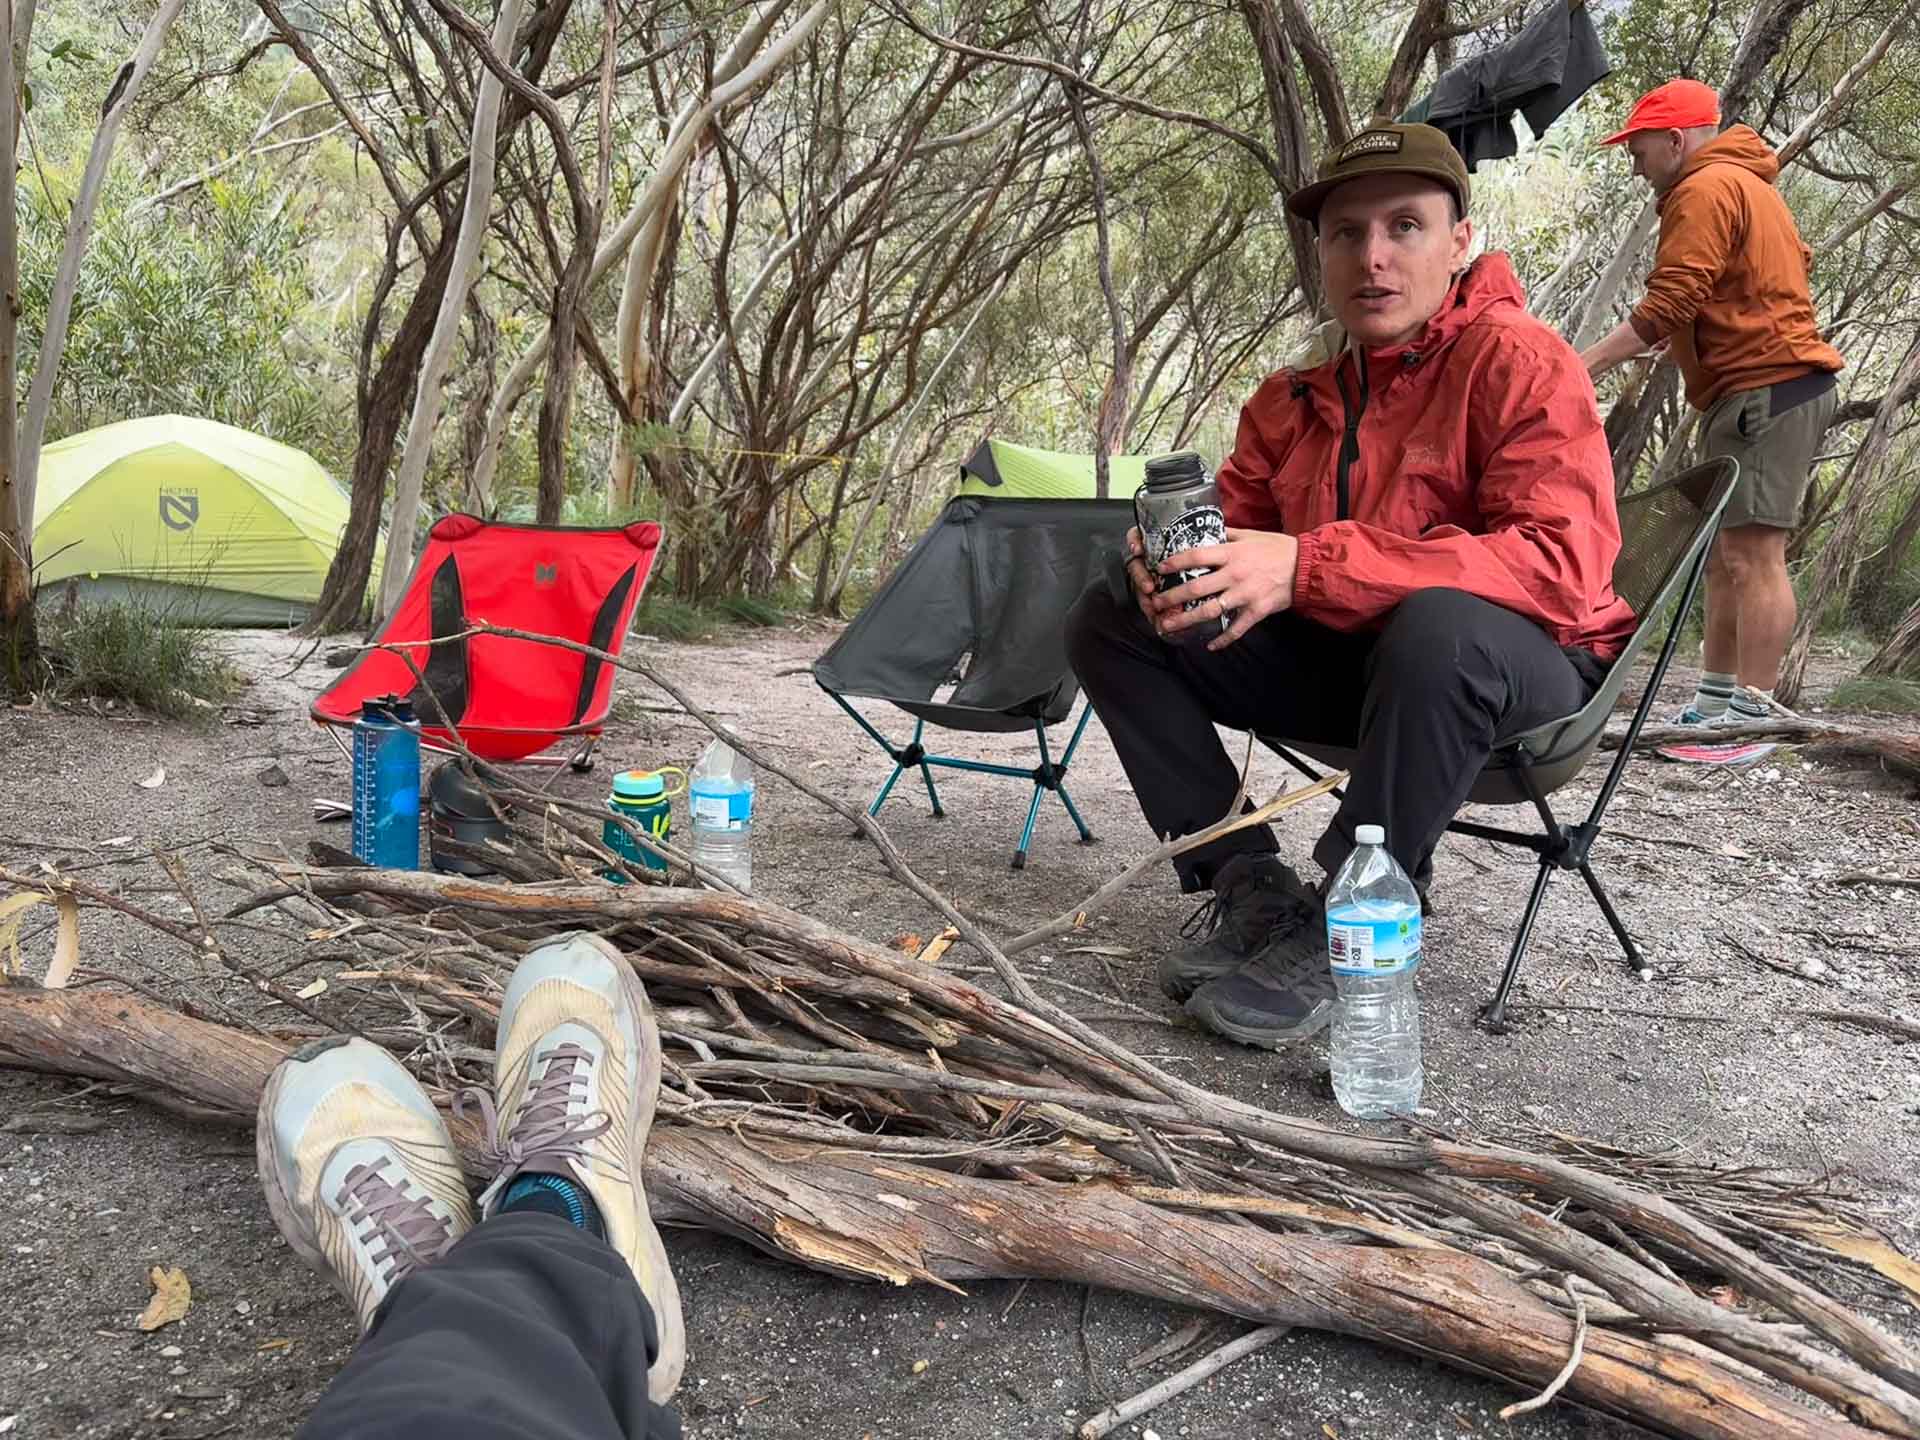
(1423, 700)
(528, 1329)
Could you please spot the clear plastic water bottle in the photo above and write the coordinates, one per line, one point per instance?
(720, 800)
(1373, 942)
(386, 784)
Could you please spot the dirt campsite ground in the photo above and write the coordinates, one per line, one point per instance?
(1730, 879)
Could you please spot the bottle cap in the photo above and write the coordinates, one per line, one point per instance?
(639, 785)
(1175, 471)
(1369, 835)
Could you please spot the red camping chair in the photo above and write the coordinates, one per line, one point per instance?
(506, 699)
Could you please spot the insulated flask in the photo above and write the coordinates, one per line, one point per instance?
(1178, 508)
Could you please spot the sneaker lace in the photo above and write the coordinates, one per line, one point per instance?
(549, 1135)
(1202, 922)
(404, 1222)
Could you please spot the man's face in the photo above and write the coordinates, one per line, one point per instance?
(1389, 249)
(1657, 156)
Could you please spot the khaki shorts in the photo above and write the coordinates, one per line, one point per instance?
(1775, 451)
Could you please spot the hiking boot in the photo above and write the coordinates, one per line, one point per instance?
(1255, 899)
(1282, 995)
(360, 1174)
(576, 1074)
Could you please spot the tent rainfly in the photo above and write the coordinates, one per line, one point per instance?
(219, 525)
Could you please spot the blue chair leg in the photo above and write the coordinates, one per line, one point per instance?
(1026, 833)
(886, 790)
(926, 773)
(1086, 835)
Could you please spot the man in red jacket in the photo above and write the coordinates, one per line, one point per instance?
(1418, 562)
(1729, 290)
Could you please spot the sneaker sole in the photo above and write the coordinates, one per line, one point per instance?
(671, 1362)
(1264, 1037)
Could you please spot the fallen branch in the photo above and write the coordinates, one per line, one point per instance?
(1181, 1381)
(1559, 1382)
(1867, 877)
(1886, 1024)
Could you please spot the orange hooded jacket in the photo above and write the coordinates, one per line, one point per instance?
(1729, 283)
(1472, 457)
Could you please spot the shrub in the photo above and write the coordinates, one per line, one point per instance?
(135, 653)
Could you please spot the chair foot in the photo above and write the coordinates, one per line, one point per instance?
(938, 813)
(1493, 1017)
(1089, 839)
(1019, 859)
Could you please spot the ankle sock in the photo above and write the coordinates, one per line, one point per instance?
(554, 1195)
(1751, 704)
(1715, 691)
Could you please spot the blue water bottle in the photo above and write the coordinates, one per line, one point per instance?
(644, 800)
(386, 784)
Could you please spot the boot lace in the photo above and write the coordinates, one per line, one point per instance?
(406, 1229)
(549, 1136)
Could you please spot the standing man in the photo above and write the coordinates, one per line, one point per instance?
(1729, 294)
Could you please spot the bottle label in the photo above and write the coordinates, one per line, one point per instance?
(1359, 946)
(728, 810)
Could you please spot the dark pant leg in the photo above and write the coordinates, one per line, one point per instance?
(1449, 676)
(528, 1330)
(1159, 702)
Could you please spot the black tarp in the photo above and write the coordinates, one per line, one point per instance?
(980, 604)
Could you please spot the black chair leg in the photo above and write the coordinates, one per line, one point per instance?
(1635, 960)
(1493, 1014)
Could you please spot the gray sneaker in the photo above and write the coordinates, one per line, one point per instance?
(360, 1174)
(1281, 996)
(576, 1074)
(1256, 900)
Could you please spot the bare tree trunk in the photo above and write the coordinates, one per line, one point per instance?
(1119, 388)
(384, 406)
(1867, 478)
(18, 637)
(446, 330)
(1416, 42)
(1292, 143)
(46, 368)
(483, 350)
(1901, 653)
(1884, 569)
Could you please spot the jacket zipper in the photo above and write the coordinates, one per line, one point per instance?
(1350, 441)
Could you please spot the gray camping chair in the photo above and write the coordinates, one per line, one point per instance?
(1665, 532)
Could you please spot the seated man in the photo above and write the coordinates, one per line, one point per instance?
(1418, 563)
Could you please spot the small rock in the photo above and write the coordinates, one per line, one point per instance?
(919, 1367)
(1149, 1435)
(243, 1307)
(171, 1352)
(273, 777)
(177, 1370)
(1814, 969)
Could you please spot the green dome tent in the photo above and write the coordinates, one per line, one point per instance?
(218, 524)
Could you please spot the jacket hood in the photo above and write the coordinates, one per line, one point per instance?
(1738, 145)
(1485, 284)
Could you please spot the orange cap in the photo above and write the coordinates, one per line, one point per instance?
(1676, 105)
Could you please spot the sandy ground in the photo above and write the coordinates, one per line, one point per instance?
(99, 1187)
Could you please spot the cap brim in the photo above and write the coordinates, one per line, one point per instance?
(1619, 137)
(1307, 200)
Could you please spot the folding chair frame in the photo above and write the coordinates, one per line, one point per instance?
(1562, 847)
(1047, 775)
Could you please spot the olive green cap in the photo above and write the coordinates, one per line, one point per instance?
(1385, 150)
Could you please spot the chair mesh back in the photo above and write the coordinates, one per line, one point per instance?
(1657, 528)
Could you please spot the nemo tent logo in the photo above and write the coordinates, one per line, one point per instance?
(179, 509)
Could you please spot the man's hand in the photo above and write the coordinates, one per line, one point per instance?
(1142, 578)
(1252, 577)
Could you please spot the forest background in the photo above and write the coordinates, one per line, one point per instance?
(767, 273)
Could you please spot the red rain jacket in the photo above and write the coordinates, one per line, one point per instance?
(1471, 458)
